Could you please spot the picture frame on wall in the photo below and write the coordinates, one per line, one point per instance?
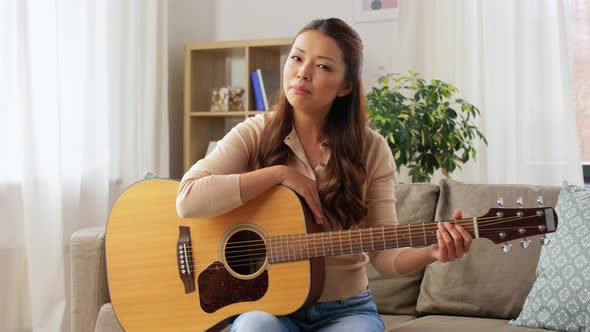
(375, 10)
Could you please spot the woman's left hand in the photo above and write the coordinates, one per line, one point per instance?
(453, 241)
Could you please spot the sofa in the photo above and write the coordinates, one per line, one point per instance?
(479, 292)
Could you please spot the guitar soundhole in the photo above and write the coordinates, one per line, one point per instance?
(245, 252)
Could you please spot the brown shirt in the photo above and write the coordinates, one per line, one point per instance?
(212, 187)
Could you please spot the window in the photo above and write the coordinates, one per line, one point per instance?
(581, 76)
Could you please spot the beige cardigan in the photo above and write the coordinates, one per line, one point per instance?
(212, 187)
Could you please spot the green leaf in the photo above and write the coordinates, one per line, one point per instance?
(428, 122)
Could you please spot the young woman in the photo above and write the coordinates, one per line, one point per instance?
(316, 141)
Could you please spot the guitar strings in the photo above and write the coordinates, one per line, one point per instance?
(303, 253)
(355, 246)
(298, 257)
(296, 243)
(465, 223)
(481, 221)
(292, 242)
(285, 252)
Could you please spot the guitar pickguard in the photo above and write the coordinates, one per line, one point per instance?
(218, 288)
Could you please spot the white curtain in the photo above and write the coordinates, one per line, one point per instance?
(83, 113)
(512, 60)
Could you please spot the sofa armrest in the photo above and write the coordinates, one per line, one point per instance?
(89, 278)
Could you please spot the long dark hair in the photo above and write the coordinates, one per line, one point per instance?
(341, 195)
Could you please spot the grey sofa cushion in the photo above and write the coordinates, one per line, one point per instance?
(459, 324)
(393, 321)
(416, 203)
(89, 278)
(486, 282)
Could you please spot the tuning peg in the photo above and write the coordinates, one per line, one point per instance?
(544, 240)
(519, 202)
(500, 202)
(506, 247)
(540, 201)
(525, 243)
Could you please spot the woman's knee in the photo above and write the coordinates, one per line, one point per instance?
(256, 321)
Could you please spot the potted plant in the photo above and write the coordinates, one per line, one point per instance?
(426, 126)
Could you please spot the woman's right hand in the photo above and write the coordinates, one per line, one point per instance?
(306, 188)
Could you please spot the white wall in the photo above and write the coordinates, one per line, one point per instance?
(242, 19)
(210, 20)
(188, 21)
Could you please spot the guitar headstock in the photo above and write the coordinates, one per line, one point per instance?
(507, 224)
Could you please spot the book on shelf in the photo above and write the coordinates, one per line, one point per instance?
(257, 91)
(268, 86)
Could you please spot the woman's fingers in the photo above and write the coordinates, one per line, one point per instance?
(457, 239)
(453, 240)
(442, 244)
(307, 189)
(447, 241)
(467, 239)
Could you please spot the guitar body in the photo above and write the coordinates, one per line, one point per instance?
(166, 273)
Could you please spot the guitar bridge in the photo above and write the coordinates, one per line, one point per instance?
(184, 258)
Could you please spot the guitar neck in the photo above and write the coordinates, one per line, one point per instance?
(304, 246)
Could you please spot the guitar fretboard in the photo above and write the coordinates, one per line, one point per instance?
(304, 246)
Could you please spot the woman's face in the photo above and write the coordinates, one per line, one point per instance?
(313, 75)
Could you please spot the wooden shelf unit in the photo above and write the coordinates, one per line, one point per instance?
(208, 66)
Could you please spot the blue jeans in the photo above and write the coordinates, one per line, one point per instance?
(357, 313)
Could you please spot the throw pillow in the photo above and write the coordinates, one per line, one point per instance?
(560, 298)
(151, 175)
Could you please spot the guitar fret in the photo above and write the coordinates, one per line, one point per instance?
(331, 245)
(350, 240)
(270, 247)
(410, 234)
(279, 251)
(383, 234)
(300, 248)
(288, 247)
(323, 246)
(283, 248)
(340, 234)
(396, 239)
(361, 238)
(293, 246)
(424, 230)
(372, 244)
(315, 245)
(307, 238)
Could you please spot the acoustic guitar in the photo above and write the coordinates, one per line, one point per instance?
(166, 273)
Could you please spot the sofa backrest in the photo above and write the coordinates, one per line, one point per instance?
(486, 282)
(416, 203)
